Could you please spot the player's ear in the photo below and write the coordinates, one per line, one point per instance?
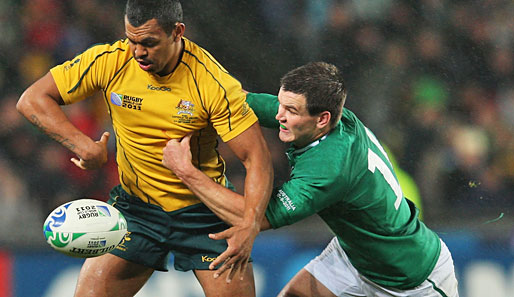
(178, 32)
(324, 119)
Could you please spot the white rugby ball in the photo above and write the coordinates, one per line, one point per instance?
(84, 228)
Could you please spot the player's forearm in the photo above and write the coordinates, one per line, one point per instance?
(258, 184)
(225, 203)
(228, 205)
(44, 112)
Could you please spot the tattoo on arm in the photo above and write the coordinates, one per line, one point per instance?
(60, 139)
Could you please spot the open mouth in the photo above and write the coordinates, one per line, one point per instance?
(145, 65)
(283, 127)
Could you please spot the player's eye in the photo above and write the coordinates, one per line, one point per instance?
(149, 44)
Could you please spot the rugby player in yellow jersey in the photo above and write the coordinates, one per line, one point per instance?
(159, 85)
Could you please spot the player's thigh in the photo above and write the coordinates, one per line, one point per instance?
(303, 284)
(109, 275)
(218, 287)
(333, 270)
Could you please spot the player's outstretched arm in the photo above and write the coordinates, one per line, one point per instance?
(40, 105)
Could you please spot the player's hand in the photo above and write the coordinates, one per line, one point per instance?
(176, 155)
(96, 156)
(235, 258)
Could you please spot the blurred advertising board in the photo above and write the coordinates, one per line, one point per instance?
(483, 269)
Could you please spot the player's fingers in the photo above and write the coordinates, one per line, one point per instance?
(222, 268)
(234, 269)
(221, 235)
(77, 163)
(244, 265)
(231, 264)
(172, 141)
(105, 137)
(186, 139)
(230, 274)
(224, 257)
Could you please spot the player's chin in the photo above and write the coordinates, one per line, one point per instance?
(285, 136)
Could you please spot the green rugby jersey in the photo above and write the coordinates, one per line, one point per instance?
(346, 178)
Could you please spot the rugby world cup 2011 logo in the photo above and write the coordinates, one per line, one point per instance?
(116, 99)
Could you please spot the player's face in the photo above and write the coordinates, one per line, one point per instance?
(152, 48)
(296, 124)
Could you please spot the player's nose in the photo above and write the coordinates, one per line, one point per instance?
(140, 52)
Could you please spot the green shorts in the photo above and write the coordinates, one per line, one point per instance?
(153, 233)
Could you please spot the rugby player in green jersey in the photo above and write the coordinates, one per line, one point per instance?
(339, 171)
(159, 85)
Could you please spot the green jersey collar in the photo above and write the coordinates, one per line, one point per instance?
(291, 152)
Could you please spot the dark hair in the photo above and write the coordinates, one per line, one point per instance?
(166, 12)
(321, 84)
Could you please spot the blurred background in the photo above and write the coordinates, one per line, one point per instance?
(434, 80)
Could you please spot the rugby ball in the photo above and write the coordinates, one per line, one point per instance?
(84, 228)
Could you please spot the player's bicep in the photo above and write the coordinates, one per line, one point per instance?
(46, 86)
(249, 141)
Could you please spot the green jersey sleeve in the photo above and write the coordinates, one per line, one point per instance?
(265, 107)
(314, 185)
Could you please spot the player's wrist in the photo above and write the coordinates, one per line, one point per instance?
(91, 151)
(188, 172)
(251, 223)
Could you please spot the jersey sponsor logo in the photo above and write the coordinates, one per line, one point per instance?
(286, 201)
(126, 101)
(208, 259)
(155, 88)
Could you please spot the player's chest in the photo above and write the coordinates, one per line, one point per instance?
(140, 101)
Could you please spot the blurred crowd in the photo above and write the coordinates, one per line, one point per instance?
(434, 79)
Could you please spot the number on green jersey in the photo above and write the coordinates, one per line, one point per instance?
(375, 162)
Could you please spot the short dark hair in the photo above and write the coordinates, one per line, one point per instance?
(322, 85)
(166, 12)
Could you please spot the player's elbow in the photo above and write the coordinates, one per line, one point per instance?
(24, 104)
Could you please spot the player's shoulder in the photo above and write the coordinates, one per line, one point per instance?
(195, 55)
(347, 137)
(352, 125)
(118, 49)
(349, 119)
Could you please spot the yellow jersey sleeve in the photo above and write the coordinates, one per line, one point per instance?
(230, 114)
(89, 71)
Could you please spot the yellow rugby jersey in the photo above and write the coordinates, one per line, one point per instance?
(147, 110)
